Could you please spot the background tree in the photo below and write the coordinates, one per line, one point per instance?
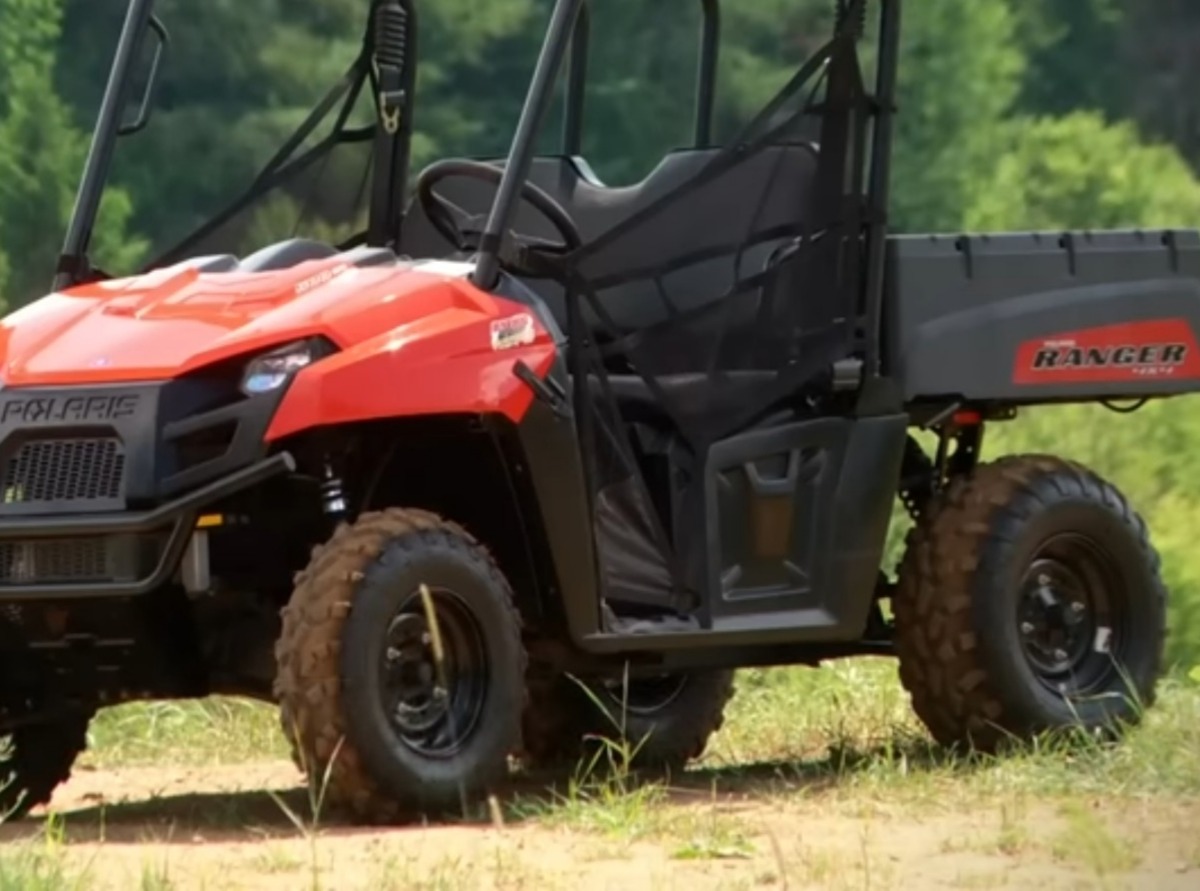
(41, 154)
(960, 73)
(1043, 179)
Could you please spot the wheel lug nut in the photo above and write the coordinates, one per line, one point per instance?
(1027, 628)
(1060, 655)
(1077, 608)
(1043, 580)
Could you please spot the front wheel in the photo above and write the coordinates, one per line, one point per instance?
(405, 715)
(1029, 599)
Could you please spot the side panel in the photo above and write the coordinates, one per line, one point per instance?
(1044, 316)
(552, 462)
(797, 521)
(769, 540)
(796, 542)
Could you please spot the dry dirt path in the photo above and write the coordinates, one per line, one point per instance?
(160, 828)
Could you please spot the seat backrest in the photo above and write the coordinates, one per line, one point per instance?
(775, 185)
(570, 181)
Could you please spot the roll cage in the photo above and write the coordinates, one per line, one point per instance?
(569, 27)
(742, 295)
(387, 66)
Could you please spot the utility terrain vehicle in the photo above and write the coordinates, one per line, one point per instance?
(637, 437)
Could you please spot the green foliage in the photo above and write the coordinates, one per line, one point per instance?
(1158, 64)
(26, 28)
(1063, 40)
(1080, 172)
(960, 74)
(40, 863)
(41, 154)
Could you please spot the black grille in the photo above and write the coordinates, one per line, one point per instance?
(65, 470)
(60, 560)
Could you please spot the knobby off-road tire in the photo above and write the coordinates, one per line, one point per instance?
(354, 611)
(35, 760)
(667, 721)
(1028, 533)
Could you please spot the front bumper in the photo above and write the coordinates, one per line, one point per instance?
(176, 519)
(101, 485)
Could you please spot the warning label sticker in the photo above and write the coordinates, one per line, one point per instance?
(515, 331)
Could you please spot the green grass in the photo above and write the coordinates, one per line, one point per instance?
(843, 740)
(40, 863)
(1087, 841)
(846, 728)
(840, 742)
(196, 733)
(852, 725)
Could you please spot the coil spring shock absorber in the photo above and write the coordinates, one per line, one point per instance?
(333, 494)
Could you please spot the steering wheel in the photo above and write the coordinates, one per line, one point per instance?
(458, 226)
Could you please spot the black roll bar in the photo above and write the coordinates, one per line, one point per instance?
(879, 185)
(520, 153)
(138, 19)
(581, 42)
(706, 75)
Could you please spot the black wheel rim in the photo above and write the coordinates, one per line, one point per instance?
(1069, 616)
(648, 695)
(434, 707)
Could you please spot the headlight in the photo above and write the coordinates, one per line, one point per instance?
(272, 370)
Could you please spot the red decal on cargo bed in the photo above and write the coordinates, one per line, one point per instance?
(1130, 351)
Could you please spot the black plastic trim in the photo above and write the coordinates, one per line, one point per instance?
(181, 512)
(555, 466)
(854, 517)
(73, 264)
(127, 413)
(251, 417)
(815, 453)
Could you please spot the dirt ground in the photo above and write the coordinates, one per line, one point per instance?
(186, 828)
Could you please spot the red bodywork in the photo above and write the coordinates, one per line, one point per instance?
(413, 340)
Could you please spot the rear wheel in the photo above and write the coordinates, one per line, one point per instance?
(665, 720)
(1029, 599)
(35, 759)
(407, 716)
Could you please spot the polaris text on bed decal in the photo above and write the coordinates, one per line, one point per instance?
(1131, 351)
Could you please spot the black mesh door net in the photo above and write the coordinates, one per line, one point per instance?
(733, 297)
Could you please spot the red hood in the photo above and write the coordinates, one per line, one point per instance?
(165, 323)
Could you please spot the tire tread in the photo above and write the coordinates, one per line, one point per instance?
(941, 665)
(308, 679)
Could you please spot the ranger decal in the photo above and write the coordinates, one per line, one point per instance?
(1153, 349)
